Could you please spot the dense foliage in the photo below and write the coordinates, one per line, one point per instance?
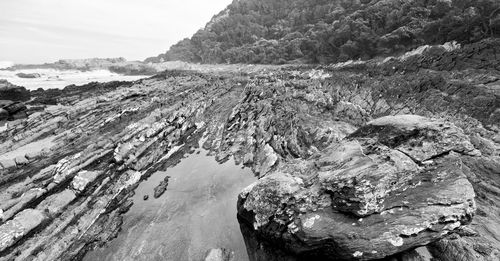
(325, 31)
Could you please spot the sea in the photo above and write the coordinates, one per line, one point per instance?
(58, 79)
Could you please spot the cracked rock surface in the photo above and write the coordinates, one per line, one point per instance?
(348, 170)
(394, 184)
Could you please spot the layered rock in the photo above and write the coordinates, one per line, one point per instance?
(96, 148)
(304, 131)
(11, 98)
(482, 55)
(10, 110)
(394, 184)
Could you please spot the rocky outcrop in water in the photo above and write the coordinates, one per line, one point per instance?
(318, 138)
(161, 188)
(28, 75)
(11, 92)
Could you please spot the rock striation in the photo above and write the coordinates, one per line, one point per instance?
(392, 185)
(219, 254)
(11, 101)
(346, 166)
(10, 110)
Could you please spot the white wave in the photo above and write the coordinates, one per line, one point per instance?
(51, 78)
(5, 64)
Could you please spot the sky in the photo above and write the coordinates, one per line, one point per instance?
(39, 31)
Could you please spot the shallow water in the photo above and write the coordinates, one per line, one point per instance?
(51, 78)
(196, 213)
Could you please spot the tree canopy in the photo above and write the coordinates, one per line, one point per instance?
(327, 31)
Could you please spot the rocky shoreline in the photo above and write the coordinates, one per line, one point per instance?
(117, 65)
(341, 156)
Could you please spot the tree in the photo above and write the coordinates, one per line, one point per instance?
(327, 31)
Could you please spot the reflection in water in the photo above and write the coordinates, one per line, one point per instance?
(197, 213)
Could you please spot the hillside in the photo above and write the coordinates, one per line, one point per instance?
(326, 31)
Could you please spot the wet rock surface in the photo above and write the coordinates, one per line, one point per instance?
(219, 254)
(161, 188)
(340, 153)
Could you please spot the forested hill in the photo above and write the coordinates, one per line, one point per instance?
(326, 31)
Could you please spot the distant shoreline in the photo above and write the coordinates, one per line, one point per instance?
(33, 79)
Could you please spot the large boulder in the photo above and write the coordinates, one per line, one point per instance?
(394, 184)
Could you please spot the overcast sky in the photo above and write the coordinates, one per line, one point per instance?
(38, 31)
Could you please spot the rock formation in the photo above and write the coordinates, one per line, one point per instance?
(340, 152)
(394, 184)
(11, 92)
(161, 188)
(10, 110)
(28, 75)
(11, 98)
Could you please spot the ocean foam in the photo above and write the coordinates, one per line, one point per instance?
(51, 78)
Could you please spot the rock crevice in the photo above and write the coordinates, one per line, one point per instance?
(368, 200)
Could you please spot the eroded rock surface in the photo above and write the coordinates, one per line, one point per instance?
(219, 254)
(68, 170)
(394, 184)
(11, 98)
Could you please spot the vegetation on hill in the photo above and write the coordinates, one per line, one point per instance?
(326, 31)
